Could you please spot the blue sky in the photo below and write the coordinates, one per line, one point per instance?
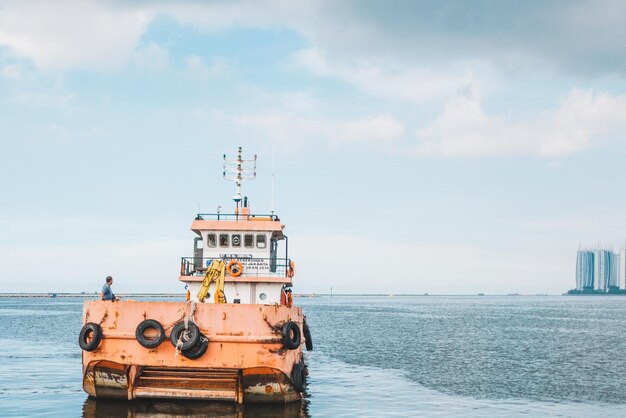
(465, 146)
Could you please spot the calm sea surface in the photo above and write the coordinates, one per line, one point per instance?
(373, 357)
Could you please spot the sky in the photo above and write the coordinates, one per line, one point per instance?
(437, 147)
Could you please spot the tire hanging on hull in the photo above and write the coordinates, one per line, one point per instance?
(308, 341)
(148, 342)
(187, 336)
(291, 335)
(198, 349)
(90, 336)
(298, 376)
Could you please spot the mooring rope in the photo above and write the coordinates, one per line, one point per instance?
(190, 310)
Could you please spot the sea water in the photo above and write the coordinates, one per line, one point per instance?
(426, 356)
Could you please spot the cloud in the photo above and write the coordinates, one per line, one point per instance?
(72, 35)
(55, 98)
(385, 128)
(152, 57)
(14, 71)
(580, 38)
(582, 118)
(414, 52)
(583, 38)
(386, 80)
(288, 127)
(197, 67)
(299, 118)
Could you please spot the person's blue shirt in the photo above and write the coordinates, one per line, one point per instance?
(107, 293)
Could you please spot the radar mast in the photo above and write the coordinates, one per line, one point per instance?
(238, 170)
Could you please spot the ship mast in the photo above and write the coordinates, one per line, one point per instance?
(238, 170)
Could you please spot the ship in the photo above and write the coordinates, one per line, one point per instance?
(235, 335)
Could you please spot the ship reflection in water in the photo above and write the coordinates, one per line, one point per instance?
(101, 408)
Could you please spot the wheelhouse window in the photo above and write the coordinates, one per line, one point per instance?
(261, 241)
(248, 240)
(211, 240)
(236, 240)
(223, 240)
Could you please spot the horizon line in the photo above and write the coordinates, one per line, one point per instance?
(138, 294)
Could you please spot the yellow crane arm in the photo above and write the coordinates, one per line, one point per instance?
(219, 296)
(215, 273)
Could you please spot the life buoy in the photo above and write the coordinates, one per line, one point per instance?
(292, 269)
(188, 337)
(90, 336)
(234, 268)
(198, 349)
(291, 335)
(149, 342)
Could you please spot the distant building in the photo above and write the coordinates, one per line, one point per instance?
(614, 276)
(600, 269)
(585, 271)
(622, 268)
(603, 269)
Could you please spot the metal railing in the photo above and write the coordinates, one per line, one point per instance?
(252, 266)
(235, 217)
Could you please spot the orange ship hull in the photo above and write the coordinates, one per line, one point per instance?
(245, 360)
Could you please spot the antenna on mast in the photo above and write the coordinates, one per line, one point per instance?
(238, 170)
(273, 169)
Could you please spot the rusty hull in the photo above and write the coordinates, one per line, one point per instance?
(245, 359)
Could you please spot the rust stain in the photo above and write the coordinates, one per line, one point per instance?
(224, 316)
(280, 351)
(276, 328)
(104, 317)
(268, 389)
(117, 315)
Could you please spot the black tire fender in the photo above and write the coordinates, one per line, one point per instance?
(149, 342)
(291, 335)
(189, 336)
(90, 336)
(198, 349)
(298, 376)
(308, 341)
